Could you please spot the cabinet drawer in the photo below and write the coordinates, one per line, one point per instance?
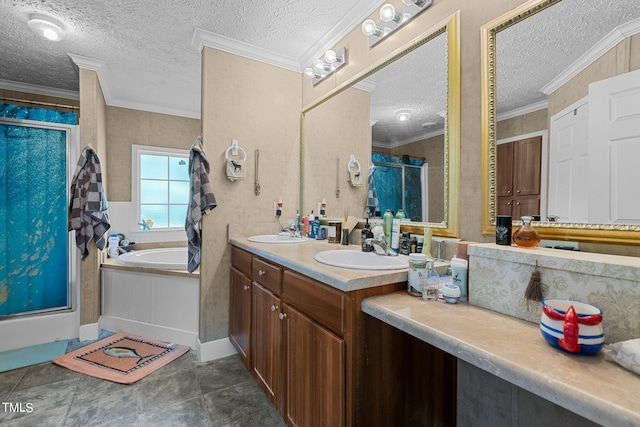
(321, 303)
(268, 275)
(241, 260)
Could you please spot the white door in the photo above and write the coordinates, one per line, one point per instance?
(614, 150)
(568, 154)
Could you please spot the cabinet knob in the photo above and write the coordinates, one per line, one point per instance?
(509, 204)
(508, 191)
(518, 203)
(282, 316)
(274, 307)
(246, 287)
(518, 191)
(261, 272)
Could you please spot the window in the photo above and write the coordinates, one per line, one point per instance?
(161, 186)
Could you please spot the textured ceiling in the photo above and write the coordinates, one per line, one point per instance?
(532, 53)
(146, 44)
(417, 82)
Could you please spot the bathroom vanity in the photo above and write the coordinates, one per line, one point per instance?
(298, 327)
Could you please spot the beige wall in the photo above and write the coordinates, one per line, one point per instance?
(258, 105)
(92, 133)
(432, 151)
(335, 130)
(126, 127)
(522, 125)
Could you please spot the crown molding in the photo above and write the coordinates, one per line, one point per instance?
(523, 110)
(102, 70)
(154, 108)
(39, 90)
(589, 57)
(366, 85)
(202, 38)
(352, 19)
(411, 140)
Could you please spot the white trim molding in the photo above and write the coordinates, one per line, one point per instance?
(589, 57)
(88, 332)
(521, 111)
(202, 38)
(217, 349)
(39, 90)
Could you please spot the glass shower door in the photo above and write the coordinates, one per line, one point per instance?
(34, 245)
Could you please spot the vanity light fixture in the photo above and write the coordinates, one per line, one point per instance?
(325, 66)
(391, 19)
(46, 27)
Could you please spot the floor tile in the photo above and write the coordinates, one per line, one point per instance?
(165, 390)
(188, 413)
(267, 417)
(235, 402)
(222, 373)
(9, 380)
(42, 399)
(45, 373)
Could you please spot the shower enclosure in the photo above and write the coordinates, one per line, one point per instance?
(400, 183)
(35, 170)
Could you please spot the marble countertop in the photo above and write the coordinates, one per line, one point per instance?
(514, 350)
(300, 257)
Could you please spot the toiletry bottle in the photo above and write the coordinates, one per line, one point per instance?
(387, 225)
(426, 243)
(323, 208)
(366, 234)
(395, 234)
(400, 214)
(114, 242)
(432, 287)
(307, 224)
(315, 229)
(297, 225)
(459, 271)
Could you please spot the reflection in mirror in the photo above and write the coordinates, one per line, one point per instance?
(562, 69)
(364, 119)
(407, 117)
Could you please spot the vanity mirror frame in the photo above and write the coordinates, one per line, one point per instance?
(450, 26)
(628, 234)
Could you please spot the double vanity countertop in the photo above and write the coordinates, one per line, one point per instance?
(512, 349)
(300, 257)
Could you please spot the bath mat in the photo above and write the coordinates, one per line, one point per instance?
(19, 358)
(121, 358)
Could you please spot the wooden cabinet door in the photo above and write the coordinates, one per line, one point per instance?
(314, 365)
(266, 346)
(504, 172)
(527, 166)
(526, 206)
(240, 315)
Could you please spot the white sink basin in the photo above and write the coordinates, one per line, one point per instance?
(359, 260)
(276, 238)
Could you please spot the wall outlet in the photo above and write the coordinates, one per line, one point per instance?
(276, 210)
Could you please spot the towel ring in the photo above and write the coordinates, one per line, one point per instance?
(352, 164)
(234, 147)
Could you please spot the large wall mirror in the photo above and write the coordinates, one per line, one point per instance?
(400, 121)
(561, 107)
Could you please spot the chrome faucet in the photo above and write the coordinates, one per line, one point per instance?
(380, 246)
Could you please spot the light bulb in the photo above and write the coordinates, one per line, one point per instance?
(388, 13)
(330, 56)
(318, 65)
(403, 116)
(369, 28)
(309, 73)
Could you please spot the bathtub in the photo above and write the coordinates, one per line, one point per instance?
(161, 302)
(162, 259)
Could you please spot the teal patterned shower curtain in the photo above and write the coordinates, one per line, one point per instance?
(34, 254)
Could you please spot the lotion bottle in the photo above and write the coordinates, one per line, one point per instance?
(459, 273)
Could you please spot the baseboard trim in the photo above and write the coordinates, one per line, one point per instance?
(88, 332)
(162, 333)
(217, 349)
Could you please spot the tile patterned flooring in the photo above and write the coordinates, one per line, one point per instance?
(183, 393)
